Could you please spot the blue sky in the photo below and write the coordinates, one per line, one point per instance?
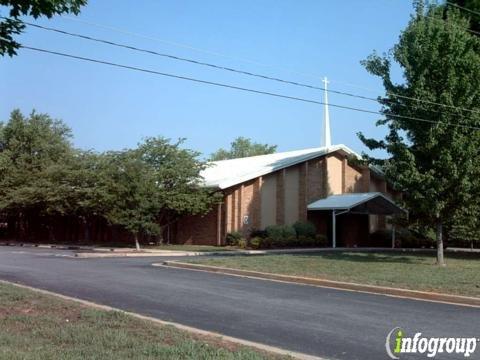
(110, 108)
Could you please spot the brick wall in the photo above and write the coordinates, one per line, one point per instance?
(197, 229)
(302, 192)
(353, 181)
(249, 206)
(316, 180)
(280, 210)
(334, 174)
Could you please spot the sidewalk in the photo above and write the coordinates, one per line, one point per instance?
(92, 251)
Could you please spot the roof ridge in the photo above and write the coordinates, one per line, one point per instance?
(272, 154)
(225, 173)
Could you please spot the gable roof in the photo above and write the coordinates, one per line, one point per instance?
(225, 173)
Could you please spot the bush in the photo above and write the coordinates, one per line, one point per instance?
(258, 233)
(321, 240)
(266, 243)
(281, 235)
(242, 243)
(233, 238)
(305, 241)
(305, 229)
(381, 238)
(256, 242)
(404, 238)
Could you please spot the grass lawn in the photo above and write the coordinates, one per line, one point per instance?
(35, 326)
(415, 271)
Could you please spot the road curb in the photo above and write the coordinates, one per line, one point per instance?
(45, 246)
(251, 344)
(91, 255)
(371, 289)
(112, 253)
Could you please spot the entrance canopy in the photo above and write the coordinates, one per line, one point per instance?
(360, 203)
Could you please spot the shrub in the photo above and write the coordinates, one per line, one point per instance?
(256, 242)
(242, 243)
(381, 238)
(305, 229)
(281, 235)
(233, 238)
(258, 233)
(266, 243)
(305, 241)
(321, 240)
(404, 238)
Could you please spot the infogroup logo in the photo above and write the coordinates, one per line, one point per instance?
(397, 343)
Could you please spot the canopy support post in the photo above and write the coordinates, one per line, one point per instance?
(334, 229)
(334, 225)
(393, 236)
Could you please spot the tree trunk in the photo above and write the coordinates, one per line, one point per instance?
(86, 230)
(137, 244)
(440, 259)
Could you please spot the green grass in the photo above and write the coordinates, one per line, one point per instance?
(34, 326)
(415, 271)
(199, 248)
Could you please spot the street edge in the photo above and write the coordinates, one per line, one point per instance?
(339, 285)
(193, 330)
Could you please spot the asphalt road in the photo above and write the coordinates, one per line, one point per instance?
(319, 321)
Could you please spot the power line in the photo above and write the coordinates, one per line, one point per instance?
(463, 8)
(190, 47)
(241, 88)
(314, 76)
(196, 62)
(454, 25)
(220, 67)
(209, 52)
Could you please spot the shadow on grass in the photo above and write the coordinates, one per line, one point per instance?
(387, 257)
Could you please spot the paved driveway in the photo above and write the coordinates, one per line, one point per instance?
(318, 321)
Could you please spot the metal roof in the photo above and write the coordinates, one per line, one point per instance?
(369, 203)
(226, 173)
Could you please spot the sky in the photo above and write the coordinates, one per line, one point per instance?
(110, 108)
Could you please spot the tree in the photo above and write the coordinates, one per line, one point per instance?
(469, 9)
(243, 147)
(12, 25)
(45, 182)
(151, 186)
(436, 164)
(33, 152)
(464, 225)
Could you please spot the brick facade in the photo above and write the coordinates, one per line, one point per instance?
(244, 203)
(197, 229)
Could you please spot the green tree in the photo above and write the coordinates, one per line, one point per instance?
(435, 164)
(243, 147)
(131, 193)
(11, 25)
(151, 186)
(464, 225)
(469, 9)
(46, 182)
(33, 152)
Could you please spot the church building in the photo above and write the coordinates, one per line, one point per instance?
(344, 200)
